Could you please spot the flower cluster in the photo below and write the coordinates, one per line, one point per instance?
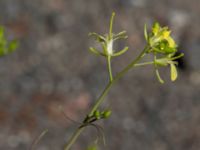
(164, 49)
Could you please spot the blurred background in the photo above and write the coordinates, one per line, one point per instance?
(53, 68)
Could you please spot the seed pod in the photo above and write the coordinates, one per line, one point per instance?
(162, 62)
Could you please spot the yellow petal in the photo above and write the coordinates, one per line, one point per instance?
(171, 42)
(174, 73)
(166, 34)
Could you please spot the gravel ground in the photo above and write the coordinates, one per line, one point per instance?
(53, 68)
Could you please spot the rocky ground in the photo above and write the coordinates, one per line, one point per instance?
(52, 68)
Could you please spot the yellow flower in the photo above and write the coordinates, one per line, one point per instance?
(165, 35)
(161, 38)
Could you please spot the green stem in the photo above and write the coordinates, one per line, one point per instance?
(129, 66)
(109, 68)
(73, 138)
(144, 64)
(102, 96)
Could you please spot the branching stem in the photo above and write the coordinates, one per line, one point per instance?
(102, 97)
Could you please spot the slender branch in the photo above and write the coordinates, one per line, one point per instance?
(109, 68)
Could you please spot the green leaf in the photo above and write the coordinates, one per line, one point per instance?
(174, 73)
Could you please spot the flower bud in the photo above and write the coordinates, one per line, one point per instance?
(97, 114)
(106, 113)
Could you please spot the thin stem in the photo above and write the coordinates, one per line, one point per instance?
(102, 96)
(129, 66)
(73, 138)
(144, 64)
(109, 68)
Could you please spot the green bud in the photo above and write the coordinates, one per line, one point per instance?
(97, 114)
(106, 114)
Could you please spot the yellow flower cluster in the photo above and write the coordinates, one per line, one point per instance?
(164, 49)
